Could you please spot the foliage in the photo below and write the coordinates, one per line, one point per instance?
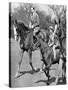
(60, 12)
(22, 14)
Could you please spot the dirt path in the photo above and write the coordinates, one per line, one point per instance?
(28, 78)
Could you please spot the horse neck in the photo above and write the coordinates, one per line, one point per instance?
(30, 33)
(42, 43)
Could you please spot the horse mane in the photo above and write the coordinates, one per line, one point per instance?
(22, 26)
(22, 29)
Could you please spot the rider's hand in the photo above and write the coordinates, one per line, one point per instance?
(32, 26)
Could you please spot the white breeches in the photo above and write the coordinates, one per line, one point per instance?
(54, 51)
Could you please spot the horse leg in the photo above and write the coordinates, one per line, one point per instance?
(30, 59)
(48, 78)
(47, 74)
(59, 69)
(64, 72)
(46, 71)
(19, 64)
(42, 67)
(43, 62)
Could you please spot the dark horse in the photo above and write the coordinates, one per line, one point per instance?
(48, 59)
(26, 42)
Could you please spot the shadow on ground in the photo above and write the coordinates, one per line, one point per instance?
(53, 80)
(63, 82)
(28, 72)
(45, 81)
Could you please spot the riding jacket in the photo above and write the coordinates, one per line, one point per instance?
(34, 19)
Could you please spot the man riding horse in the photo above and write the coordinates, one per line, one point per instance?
(53, 40)
(34, 21)
(51, 54)
(26, 37)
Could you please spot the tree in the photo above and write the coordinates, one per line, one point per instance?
(60, 12)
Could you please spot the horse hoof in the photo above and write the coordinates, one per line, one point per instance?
(34, 69)
(16, 75)
(48, 83)
(41, 70)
